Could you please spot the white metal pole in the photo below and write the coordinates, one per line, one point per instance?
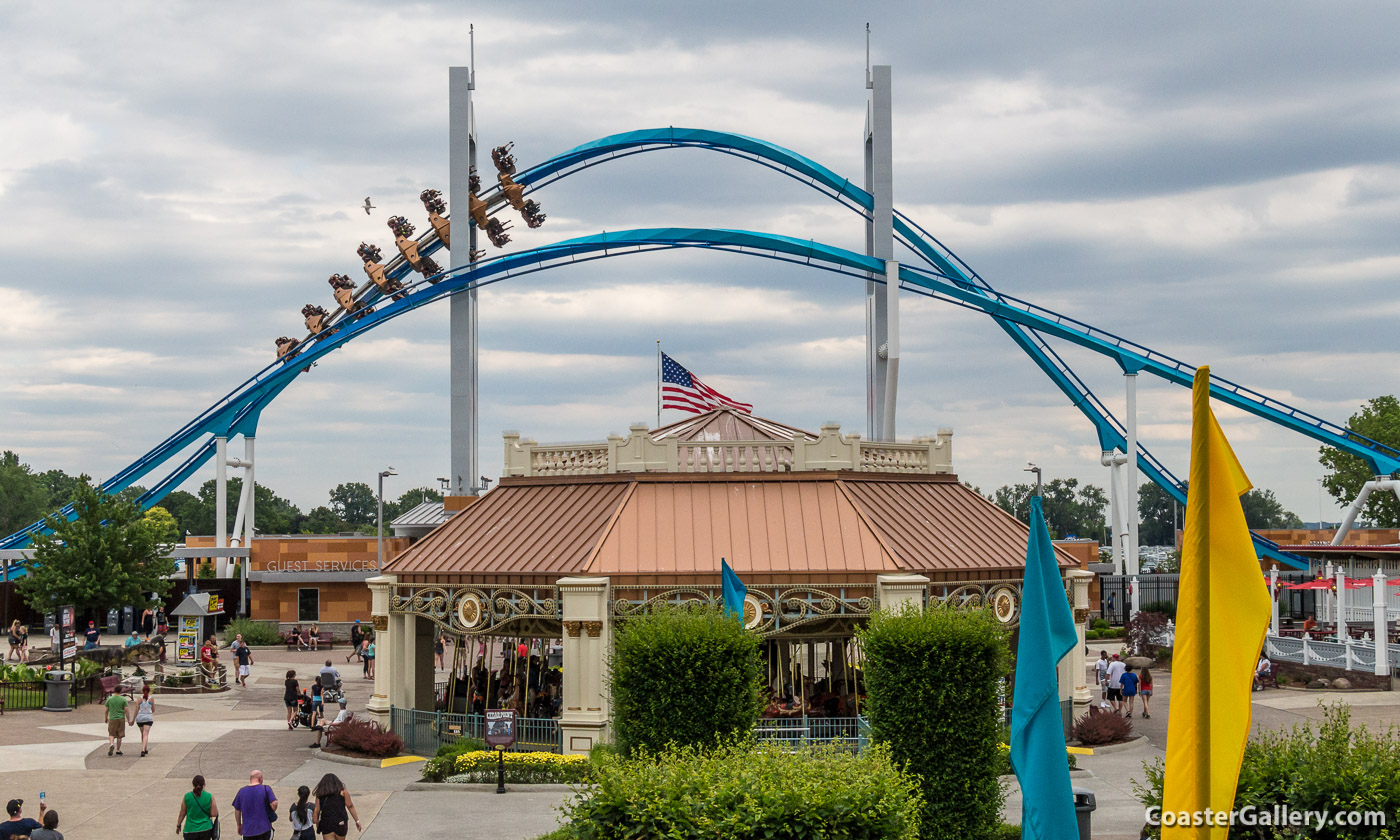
(1273, 593)
(1341, 605)
(891, 346)
(462, 319)
(879, 243)
(379, 520)
(250, 482)
(1115, 505)
(220, 489)
(1132, 485)
(1381, 632)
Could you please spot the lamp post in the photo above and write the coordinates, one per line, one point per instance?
(1032, 468)
(379, 518)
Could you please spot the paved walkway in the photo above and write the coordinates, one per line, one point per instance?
(223, 737)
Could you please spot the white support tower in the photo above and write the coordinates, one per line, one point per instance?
(461, 81)
(881, 299)
(1131, 488)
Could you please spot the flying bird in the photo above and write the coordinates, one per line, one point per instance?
(368, 206)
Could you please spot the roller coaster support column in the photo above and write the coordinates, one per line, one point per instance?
(461, 81)
(1115, 460)
(1132, 488)
(1380, 631)
(220, 502)
(1381, 484)
(881, 300)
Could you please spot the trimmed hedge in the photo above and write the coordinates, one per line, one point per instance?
(682, 676)
(742, 790)
(933, 679)
(444, 763)
(255, 633)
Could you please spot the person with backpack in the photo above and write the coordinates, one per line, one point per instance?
(255, 808)
(198, 812)
(355, 636)
(302, 826)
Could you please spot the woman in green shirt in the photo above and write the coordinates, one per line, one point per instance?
(197, 813)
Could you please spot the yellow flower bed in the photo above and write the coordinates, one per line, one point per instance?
(522, 767)
(472, 760)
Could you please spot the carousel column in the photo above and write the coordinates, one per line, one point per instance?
(893, 592)
(379, 590)
(1078, 668)
(587, 641)
(403, 680)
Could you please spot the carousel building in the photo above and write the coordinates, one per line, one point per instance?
(822, 528)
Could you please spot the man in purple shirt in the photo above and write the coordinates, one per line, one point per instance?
(252, 806)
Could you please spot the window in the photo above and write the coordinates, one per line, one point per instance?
(308, 605)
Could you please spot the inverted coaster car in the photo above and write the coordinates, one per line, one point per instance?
(374, 269)
(403, 231)
(433, 203)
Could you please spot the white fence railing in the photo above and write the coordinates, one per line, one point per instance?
(1353, 655)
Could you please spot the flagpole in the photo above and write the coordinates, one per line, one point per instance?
(658, 383)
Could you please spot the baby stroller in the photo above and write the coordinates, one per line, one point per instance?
(305, 713)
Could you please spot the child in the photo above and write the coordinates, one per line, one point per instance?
(1129, 682)
(1145, 690)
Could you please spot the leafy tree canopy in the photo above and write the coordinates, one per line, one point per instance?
(1378, 420)
(355, 503)
(111, 555)
(1157, 516)
(1070, 510)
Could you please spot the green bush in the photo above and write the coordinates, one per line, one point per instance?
(683, 675)
(743, 790)
(1091, 635)
(933, 678)
(1335, 768)
(1167, 608)
(1099, 624)
(257, 633)
(1006, 831)
(443, 764)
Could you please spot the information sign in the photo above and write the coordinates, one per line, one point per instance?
(500, 728)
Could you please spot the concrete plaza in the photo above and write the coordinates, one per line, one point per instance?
(223, 736)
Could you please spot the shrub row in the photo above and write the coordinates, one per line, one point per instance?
(745, 790)
(365, 737)
(255, 633)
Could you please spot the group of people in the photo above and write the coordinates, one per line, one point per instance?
(255, 810)
(1121, 684)
(19, 642)
(308, 707)
(18, 825)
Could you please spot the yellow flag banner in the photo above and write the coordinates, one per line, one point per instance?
(1222, 615)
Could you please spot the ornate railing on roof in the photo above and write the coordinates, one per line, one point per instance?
(639, 452)
(768, 611)
(480, 611)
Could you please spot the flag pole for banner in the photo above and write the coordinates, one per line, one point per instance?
(658, 383)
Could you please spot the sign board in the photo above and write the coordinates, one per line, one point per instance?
(500, 728)
(67, 617)
(187, 642)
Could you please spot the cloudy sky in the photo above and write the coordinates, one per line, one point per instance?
(1221, 183)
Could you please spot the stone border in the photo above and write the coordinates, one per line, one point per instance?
(1073, 774)
(1106, 749)
(340, 758)
(475, 787)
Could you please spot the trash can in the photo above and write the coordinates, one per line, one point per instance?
(57, 685)
(1083, 810)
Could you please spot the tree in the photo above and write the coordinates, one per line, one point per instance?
(355, 503)
(1378, 420)
(272, 514)
(110, 556)
(23, 498)
(1263, 510)
(1157, 512)
(188, 512)
(322, 520)
(61, 487)
(1069, 509)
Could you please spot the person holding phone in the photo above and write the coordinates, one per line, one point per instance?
(19, 825)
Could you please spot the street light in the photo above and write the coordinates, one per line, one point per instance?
(379, 520)
(1030, 467)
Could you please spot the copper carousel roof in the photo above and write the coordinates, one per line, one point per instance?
(673, 528)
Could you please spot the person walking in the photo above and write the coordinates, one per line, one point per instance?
(50, 829)
(162, 623)
(117, 714)
(303, 828)
(1129, 681)
(1101, 672)
(244, 656)
(290, 689)
(439, 648)
(198, 812)
(14, 641)
(148, 623)
(145, 718)
(369, 658)
(24, 643)
(55, 638)
(1145, 689)
(254, 808)
(356, 636)
(1116, 668)
(332, 804)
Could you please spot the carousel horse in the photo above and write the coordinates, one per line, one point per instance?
(433, 203)
(409, 248)
(374, 269)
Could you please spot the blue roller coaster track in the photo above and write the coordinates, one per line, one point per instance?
(945, 278)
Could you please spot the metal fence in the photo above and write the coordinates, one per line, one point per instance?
(850, 734)
(424, 732)
(1115, 595)
(32, 694)
(1353, 655)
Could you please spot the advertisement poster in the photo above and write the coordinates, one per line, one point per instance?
(187, 643)
(67, 617)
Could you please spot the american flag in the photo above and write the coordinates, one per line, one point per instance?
(683, 390)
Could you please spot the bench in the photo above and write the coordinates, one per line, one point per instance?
(324, 641)
(110, 685)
